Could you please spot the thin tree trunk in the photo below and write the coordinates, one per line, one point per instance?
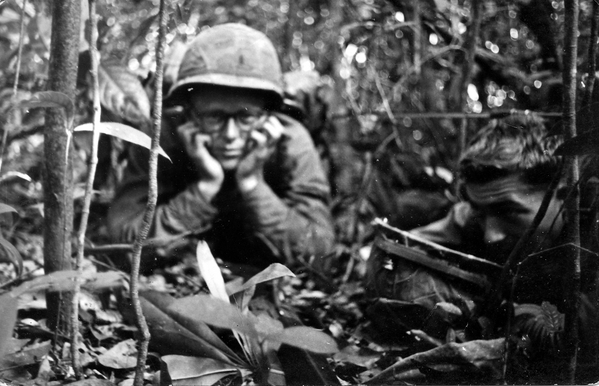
(289, 29)
(342, 166)
(572, 290)
(58, 179)
(587, 113)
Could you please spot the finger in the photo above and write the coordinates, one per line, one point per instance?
(260, 139)
(186, 127)
(202, 140)
(273, 128)
(186, 133)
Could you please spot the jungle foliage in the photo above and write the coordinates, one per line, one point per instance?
(390, 90)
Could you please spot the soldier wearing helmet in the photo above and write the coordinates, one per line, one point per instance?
(242, 174)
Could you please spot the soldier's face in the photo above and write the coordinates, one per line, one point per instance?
(507, 206)
(228, 116)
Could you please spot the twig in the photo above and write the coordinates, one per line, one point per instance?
(144, 333)
(456, 115)
(91, 173)
(379, 87)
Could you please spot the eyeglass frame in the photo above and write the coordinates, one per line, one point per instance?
(212, 128)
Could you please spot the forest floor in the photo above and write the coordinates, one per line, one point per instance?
(335, 303)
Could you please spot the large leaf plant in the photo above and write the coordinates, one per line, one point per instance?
(181, 325)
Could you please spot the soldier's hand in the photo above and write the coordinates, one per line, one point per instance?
(261, 145)
(209, 169)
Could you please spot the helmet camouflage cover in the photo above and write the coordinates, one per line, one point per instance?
(232, 55)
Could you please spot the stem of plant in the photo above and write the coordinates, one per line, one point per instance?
(92, 165)
(572, 223)
(144, 333)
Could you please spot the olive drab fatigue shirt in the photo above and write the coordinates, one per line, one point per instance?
(286, 216)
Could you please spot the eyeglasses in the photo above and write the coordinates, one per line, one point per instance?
(212, 122)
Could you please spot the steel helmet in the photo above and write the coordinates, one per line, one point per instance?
(232, 55)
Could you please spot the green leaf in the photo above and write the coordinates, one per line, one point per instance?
(124, 132)
(265, 325)
(182, 333)
(272, 272)
(55, 281)
(7, 209)
(210, 271)
(8, 318)
(215, 312)
(185, 370)
(50, 99)
(13, 364)
(10, 254)
(122, 93)
(123, 355)
(306, 338)
(104, 280)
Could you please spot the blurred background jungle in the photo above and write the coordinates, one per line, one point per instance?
(390, 90)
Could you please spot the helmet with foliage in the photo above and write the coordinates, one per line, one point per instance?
(231, 55)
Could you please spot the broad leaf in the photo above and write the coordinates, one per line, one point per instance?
(10, 254)
(171, 337)
(306, 338)
(275, 375)
(185, 370)
(220, 314)
(161, 302)
(104, 280)
(121, 356)
(55, 281)
(124, 132)
(210, 271)
(12, 364)
(51, 99)
(122, 93)
(8, 318)
(7, 209)
(484, 355)
(215, 312)
(308, 368)
(272, 272)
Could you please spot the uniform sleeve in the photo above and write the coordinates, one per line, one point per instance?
(175, 213)
(297, 221)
